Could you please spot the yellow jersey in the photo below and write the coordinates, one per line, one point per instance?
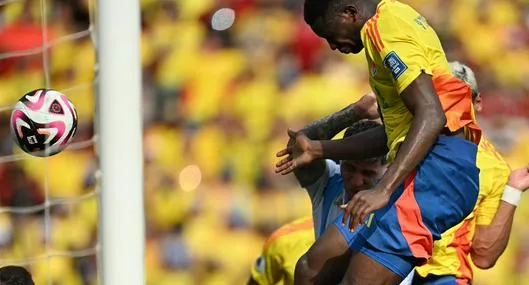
(451, 253)
(400, 45)
(282, 251)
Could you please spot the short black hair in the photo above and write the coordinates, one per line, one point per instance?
(15, 275)
(315, 9)
(359, 127)
(362, 126)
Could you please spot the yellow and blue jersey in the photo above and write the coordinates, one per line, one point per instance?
(282, 251)
(451, 254)
(399, 46)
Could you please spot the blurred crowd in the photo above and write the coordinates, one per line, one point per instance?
(216, 108)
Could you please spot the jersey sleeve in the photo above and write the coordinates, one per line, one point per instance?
(400, 48)
(267, 269)
(317, 189)
(489, 205)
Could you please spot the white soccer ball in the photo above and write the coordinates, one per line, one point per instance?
(43, 122)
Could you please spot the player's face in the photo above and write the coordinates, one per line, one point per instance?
(342, 33)
(360, 175)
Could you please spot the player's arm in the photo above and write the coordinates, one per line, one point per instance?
(490, 240)
(428, 120)
(367, 144)
(371, 143)
(328, 127)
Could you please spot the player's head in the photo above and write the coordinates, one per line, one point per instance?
(466, 74)
(15, 275)
(361, 175)
(339, 21)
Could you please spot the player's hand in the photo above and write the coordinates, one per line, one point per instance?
(300, 151)
(367, 107)
(361, 205)
(519, 178)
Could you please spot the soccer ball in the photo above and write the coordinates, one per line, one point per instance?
(43, 122)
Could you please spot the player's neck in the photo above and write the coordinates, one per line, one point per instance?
(370, 9)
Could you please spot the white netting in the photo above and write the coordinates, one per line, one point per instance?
(48, 206)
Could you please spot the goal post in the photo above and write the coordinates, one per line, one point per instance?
(119, 129)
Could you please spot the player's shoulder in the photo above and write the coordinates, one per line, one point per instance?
(333, 167)
(393, 6)
(489, 157)
(395, 10)
(494, 170)
(286, 233)
(394, 19)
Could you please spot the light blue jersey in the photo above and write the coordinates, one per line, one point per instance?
(326, 195)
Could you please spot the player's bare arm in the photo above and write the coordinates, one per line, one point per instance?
(490, 241)
(429, 119)
(325, 129)
(368, 144)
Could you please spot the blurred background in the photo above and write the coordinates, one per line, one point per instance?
(218, 99)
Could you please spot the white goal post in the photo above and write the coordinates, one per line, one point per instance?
(119, 129)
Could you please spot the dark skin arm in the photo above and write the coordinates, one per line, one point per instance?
(328, 127)
(323, 129)
(367, 144)
(429, 120)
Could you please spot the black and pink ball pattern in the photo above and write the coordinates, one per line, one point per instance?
(43, 122)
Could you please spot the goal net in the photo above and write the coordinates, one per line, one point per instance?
(49, 207)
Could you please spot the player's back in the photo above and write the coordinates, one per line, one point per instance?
(451, 253)
(281, 252)
(399, 46)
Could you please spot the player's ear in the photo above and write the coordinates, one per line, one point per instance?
(478, 105)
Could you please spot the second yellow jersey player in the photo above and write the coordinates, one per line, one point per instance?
(281, 252)
(451, 254)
